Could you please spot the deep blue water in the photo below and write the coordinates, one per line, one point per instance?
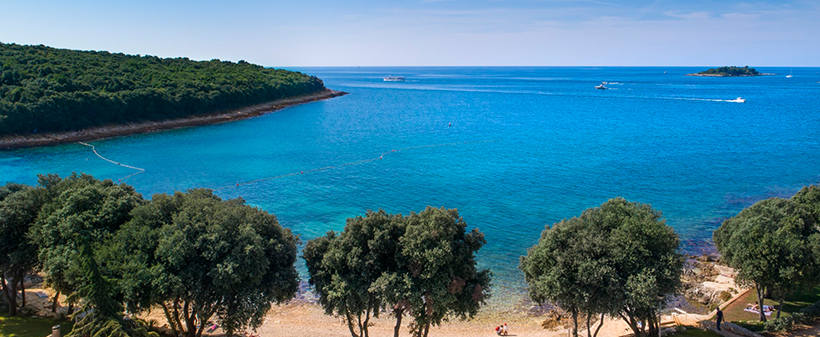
(514, 149)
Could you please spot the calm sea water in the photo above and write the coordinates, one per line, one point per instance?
(513, 149)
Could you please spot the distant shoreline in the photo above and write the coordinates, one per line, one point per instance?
(110, 131)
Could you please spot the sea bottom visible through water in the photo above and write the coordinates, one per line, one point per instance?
(513, 149)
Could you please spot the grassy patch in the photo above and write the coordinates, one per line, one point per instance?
(695, 332)
(793, 303)
(752, 325)
(30, 327)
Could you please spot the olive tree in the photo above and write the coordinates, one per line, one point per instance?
(438, 268)
(618, 259)
(421, 265)
(344, 266)
(79, 210)
(772, 244)
(198, 257)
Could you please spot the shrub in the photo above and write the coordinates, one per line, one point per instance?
(725, 296)
(779, 324)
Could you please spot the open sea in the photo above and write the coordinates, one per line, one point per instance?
(513, 149)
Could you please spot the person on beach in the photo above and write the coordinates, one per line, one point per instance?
(498, 330)
(504, 329)
(719, 318)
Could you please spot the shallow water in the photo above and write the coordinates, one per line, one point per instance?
(513, 149)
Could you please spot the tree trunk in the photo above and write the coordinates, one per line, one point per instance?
(23, 291)
(190, 325)
(780, 307)
(768, 293)
(359, 323)
(589, 328)
(366, 322)
(350, 325)
(653, 326)
(171, 322)
(574, 322)
(70, 308)
(10, 292)
(399, 314)
(600, 324)
(55, 301)
(426, 328)
(760, 303)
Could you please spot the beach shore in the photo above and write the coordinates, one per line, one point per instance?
(108, 131)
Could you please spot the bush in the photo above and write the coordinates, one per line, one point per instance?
(725, 296)
(779, 324)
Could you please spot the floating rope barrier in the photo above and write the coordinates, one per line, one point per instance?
(139, 170)
(380, 157)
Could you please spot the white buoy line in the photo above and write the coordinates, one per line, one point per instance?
(139, 170)
(380, 157)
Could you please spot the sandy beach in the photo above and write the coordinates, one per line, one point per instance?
(46, 139)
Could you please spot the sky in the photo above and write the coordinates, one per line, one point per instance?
(300, 33)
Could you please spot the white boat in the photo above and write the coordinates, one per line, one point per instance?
(790, 73)
(602, 86)
(394, 79)
(738, 100)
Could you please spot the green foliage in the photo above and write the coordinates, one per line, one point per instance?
(19, 207)
(779, 324)
(78, 210)
(344, 267)
(439, 268)
(45, 89)
(731, 71)
(614, 259)
(198, 256)
(809, 197)
(772, 244)
(422, 265)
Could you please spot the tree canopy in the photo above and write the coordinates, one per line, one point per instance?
(44, 89)
(343, 267)
(19, 208)
(422, 265)
(198, 256)
(772, 245)
(79, 210)
(618, 259)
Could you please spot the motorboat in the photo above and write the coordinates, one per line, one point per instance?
(602, 86)
(394, 79)
(738, 100)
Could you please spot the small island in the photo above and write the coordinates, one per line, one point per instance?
(728, 72)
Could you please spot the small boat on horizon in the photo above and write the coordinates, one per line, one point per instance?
(602, 86)
(738, 100)
(394, 79)
(790, 73)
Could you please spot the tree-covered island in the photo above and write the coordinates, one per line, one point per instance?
(728, 72)
(47, 90)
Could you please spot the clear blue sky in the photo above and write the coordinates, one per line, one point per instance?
(431, 32)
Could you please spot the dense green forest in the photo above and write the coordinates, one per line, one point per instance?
(731, 71)
(44, 89)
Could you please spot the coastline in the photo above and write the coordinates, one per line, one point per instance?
(109, 131)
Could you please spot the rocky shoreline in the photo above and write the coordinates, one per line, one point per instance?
(37, 140)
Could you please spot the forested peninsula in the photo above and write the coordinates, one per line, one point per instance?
(50, 95)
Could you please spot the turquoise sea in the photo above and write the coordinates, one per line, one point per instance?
(513, 149)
